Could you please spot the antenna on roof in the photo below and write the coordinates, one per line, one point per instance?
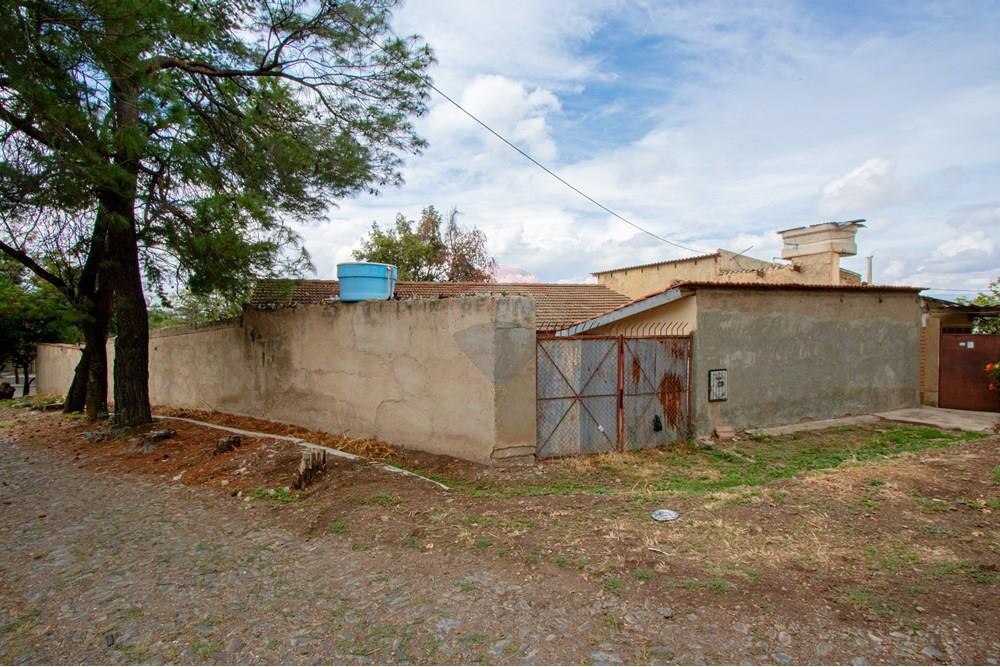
(737, 256)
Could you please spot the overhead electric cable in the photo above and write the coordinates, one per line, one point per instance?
(504, 139)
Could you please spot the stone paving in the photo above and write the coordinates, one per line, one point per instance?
(128, 569)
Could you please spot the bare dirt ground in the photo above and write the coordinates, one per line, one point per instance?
(867, 545)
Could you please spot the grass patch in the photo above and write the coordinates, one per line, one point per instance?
(782, 458)
(965, 569)
(644, 574)
(281, 494)
(36, 401)
(615, 585)
(6, 423)
(484, 543)
(690, 469)
(338, 526)
(206, 649)
(715, 585)
(384, 499)
(996, 475)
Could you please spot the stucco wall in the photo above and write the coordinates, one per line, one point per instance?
(447, 376)
(642, 281)
(676, 318)
(801, 355)
(54, 366)
(727, 267)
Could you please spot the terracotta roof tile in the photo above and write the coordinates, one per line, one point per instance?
(556, 305)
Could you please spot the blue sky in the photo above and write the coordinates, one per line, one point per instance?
(713, 124)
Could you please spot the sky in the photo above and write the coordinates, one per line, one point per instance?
(712, 124)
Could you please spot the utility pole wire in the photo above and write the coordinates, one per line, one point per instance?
(504, 139)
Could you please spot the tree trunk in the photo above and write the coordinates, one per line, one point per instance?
(132, 341)
(76, 397)
(93, 300)
(27, 380)
(97, 375)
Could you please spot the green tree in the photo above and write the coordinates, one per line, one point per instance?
(187, 308)
(421, 251)
(988, 323)
(31, 312)
(190, 136)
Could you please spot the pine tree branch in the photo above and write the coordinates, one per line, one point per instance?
(34, 266)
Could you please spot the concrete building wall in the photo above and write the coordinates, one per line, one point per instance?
(645, 280)
(676, 318)
(446, 376)
(801, 355)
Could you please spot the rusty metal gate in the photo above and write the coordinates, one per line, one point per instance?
(604, 394)
(962, 381)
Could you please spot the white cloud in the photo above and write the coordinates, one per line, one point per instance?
(742, 120)
(977, 243)
(869, 186)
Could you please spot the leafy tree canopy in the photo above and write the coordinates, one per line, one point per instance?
(990, 323)
(422, 251)
(186, 308)
(177, 143)
(31, 312)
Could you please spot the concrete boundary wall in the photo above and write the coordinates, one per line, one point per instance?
(447, 376)
(795, 356)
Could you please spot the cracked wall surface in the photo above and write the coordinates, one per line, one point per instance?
(447, 376)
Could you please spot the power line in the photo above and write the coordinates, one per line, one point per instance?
(504, 139)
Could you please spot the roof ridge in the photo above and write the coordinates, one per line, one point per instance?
(717, 253)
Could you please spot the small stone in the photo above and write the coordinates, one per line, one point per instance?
(823, 649)
(859, 660)
(741, 628)
(156, 436)
(605, 658)
(933, 652)
(920, 609)
(782, 658)
(692, 616)
(109, 639)
(234, 645)
(875, 638)
(784, 638)
(227, 444)
(666, 612)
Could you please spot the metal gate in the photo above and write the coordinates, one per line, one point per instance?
(962, 382)
(603, 394)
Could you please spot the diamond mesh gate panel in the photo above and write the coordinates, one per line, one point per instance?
(577, 396)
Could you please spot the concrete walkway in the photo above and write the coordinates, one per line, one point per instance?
(960, 420)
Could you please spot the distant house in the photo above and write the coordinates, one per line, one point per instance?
(813, 252)
(666, 351)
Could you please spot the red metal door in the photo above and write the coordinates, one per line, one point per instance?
(962, 380)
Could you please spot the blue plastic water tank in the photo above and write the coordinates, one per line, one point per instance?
(366, 281)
